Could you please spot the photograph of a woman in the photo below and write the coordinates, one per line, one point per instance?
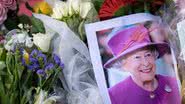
(134, 51)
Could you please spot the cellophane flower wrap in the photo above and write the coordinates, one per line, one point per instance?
(81, 87)
(176, 24)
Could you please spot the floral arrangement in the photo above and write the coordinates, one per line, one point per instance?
(73, 12)
(31, 71)
(28, 69)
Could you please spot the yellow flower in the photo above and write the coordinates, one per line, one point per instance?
(26, 57)
(42, 7)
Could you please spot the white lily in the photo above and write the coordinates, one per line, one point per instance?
(42, 41)
(85, 7)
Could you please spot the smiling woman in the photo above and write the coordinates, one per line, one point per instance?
(133, 48)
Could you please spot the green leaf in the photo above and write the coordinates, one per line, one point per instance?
(2, 54)
(11, 23)
(37, 25)
(123, 11)
(97, 4)
(24, 19)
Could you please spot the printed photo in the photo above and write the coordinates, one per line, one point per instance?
(133, 61)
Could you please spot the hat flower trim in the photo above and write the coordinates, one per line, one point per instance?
(137, 36)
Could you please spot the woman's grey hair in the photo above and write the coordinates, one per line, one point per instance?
(119, 63)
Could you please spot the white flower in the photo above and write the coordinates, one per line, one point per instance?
(20, 26)
(74, 6)
(42, 41)
(60, 10)
(85, 7)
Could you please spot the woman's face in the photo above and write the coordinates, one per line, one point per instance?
(141, 64)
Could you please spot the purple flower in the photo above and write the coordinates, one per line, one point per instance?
(49, 66)
(22, 56)
(33, 67)
(34, 53)
(56, 59)
(23, 61)
(42, 58)
(40, 72)
(34, 64)
(33, 60)
(21, 51)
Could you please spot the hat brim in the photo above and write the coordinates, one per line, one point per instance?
(161, 47)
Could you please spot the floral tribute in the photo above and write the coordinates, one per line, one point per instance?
(114, 8)
(28, 69)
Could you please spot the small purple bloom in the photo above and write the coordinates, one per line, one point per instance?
(21, 51)
(34, 53)
(40, 72)
(49, 66)
(56, 59)
(42, 57)
(33, 60)
(23, 61)
(33, 66)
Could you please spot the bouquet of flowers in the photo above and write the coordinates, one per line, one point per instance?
(32, 47)
(29, 68)
(75, 13)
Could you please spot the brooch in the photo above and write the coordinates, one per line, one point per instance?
(152, 95)
(167, 88)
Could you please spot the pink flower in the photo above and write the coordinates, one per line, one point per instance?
(3, 14)
(10, 4)
(20, 1)
(23, 10)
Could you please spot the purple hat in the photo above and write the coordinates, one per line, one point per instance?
(129, 40)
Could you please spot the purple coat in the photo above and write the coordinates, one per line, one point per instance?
(127, 92)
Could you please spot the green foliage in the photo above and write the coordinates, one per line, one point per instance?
(97, 4)
(37, 25)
